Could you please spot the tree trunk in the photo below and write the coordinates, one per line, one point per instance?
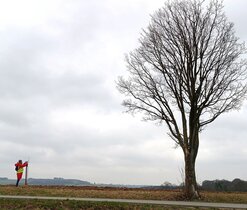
(191, 189)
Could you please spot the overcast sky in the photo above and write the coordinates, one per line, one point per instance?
(59, 107)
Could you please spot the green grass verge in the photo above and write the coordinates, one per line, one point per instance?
(35, 204)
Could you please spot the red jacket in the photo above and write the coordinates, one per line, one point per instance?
(21, 166)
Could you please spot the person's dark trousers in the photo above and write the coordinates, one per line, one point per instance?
(17, 183)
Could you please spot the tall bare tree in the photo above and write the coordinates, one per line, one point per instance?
(188, 70)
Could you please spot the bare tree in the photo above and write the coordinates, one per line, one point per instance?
(188, 70)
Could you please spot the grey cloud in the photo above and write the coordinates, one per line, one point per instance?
(68, 61)
(236, 13)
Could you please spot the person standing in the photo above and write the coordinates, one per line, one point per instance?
(19, 170)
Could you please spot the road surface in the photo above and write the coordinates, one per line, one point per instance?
(157, 202)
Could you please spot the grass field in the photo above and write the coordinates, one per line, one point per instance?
(97, 192)
(11, 204)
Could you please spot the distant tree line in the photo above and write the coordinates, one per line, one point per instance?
(215, 185)
(224, 185)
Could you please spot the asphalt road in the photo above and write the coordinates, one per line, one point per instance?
(157, 202)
